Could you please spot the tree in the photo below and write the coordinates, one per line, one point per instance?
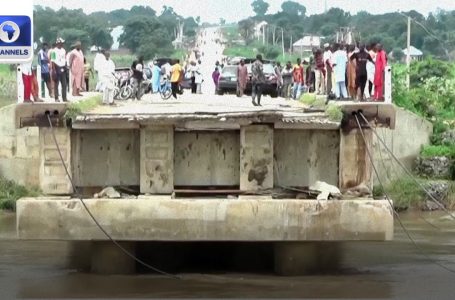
(260, 7)
(397, 54)
(147, 37)
(100, 37)
(293, 8)
(73, 35)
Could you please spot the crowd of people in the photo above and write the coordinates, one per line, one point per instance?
(339, 71)
(62, 72)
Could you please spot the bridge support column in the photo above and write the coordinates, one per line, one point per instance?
(157, 160)
(256, 157)
(300, 258)
(53, 177)
(107, 258)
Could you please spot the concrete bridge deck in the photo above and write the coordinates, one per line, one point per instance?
(227, 112)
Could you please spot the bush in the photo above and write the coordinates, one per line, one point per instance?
(334, 112)
(10, 192)
(308, 99)
(405, 193)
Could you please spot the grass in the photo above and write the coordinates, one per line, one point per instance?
(334, 112)
(242, 51)
(77, 108)
(10, 192)
(406, 194)
(438, 150)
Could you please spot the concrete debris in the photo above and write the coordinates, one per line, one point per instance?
(430, 206)
(323, 196)
(359, 191)
(438, 190)
(326, 190)
(434, 167)
(109, 193)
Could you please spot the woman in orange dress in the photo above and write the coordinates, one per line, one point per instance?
(351, 70)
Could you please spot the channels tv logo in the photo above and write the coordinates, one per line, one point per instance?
(15, 38)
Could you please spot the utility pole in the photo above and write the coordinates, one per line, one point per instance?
(282, 41)
(408, 56)
(263, 34)
(290, 45)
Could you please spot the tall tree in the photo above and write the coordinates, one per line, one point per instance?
(293, 8)
(260, 7)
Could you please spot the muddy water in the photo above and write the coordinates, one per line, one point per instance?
(392, 270)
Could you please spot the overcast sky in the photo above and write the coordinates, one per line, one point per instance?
(213, 10)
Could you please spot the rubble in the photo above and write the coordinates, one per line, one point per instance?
(434, 167)
(326, 190)
(109, 193)
(448, 137)
(359, 191)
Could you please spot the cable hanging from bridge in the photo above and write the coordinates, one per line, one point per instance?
(371, 159)
(440, 205)
(125, 251)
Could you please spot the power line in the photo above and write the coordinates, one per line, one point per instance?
(443, 43)
(370, 156)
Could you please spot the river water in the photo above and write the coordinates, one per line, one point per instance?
(392, 270)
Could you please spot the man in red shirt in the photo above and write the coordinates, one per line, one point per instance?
(297, 79)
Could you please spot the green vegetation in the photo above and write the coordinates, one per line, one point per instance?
(308, 98)
(438, 150)
(231, 33)
(389, 29)
(334, 112)
(406, 193)
(145, 32)
(432, 96)
(75, 109)
(10, 192)
(242, 51)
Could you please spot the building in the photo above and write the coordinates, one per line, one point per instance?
(306, 44)
(415, 53)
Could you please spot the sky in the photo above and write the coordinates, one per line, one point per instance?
(213, 10)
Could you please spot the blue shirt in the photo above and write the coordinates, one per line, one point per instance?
(43, 60)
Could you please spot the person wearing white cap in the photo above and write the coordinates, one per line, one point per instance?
(60, 69)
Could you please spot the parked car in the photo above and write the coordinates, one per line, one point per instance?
(228, 80)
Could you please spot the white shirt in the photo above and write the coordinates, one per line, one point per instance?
(327, 57)
(197, 74)
(98, 61)
(60, 57)
(168, 69)
(107, 68)
(26, 68)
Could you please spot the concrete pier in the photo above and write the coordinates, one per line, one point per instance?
(164, 219)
